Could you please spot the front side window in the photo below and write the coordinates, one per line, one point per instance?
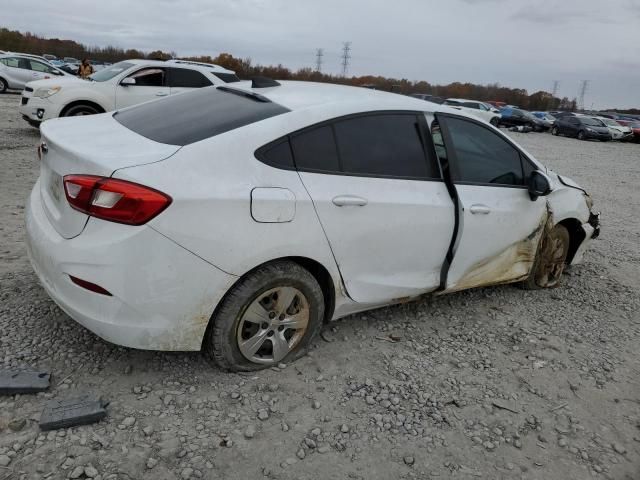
(185, 78)
(148, 77)
(387, 145)
(483, 156)
(226, 77)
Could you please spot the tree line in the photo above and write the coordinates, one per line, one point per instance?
(16, 41)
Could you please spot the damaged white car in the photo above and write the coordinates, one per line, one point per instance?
(237, 220)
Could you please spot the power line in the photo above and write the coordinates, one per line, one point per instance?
(583, 91)
(346, 56)
(319, 55)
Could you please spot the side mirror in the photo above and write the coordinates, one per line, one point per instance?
(539, 185)
(128, 81)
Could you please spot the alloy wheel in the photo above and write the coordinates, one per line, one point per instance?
(273, 325)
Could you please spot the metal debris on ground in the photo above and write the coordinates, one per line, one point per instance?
(71, 412)
(13, 382)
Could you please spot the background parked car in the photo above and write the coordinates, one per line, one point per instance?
(428, 97)
(546, 117)
(121, 85)
(17, 70)
(618, 131)
(481, 110)
(583, 128)
(514, 117)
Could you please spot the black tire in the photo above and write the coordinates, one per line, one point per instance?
(581, 135)
(221, 340)
(495, 122)
(83, 109)
(555, 131)
(3, 85)
(550, 260)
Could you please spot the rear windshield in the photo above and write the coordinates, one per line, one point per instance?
(193, 116)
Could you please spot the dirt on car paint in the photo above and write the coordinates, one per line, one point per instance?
(511, 265)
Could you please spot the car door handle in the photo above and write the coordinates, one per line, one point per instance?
(349, 201)
(161, 94)
(479, 209)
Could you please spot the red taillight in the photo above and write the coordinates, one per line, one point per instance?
(114, 200)
(90, 286)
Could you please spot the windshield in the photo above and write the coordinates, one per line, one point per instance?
(610, 123)
(594, 122)
(108, 73)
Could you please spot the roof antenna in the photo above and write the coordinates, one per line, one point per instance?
(263, 82)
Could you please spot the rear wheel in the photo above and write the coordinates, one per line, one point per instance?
(270, 316)
(550, 260)
(555, 131)
(3, 85)
(78, 110)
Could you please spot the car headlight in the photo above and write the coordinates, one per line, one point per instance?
(591, 130)
(46, 92)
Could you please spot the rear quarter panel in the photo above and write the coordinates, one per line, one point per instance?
(211, 183)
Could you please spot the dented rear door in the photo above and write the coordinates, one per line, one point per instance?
(499, 225)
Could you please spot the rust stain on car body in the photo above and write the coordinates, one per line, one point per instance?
(509, 266)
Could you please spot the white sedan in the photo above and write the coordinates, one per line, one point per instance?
(238, 219)
(483, 111)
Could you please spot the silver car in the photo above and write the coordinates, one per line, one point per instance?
(16, 70)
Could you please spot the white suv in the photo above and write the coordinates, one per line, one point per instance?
(482, 110)
(16, 70)
(121, 85)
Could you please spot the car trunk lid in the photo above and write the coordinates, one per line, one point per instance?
(95, 146)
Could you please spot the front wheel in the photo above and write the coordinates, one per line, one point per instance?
(581, 135)
(495, 122)
(550, 260)
(270, 316)
(80, 110)
(555, 131)
(3, 85)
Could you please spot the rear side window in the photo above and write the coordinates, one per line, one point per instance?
(315, 150)
(483, 156)
(277, 154)
(185, 78)
(196, 115)
(226, 77)
(10, 62)
(383, 145)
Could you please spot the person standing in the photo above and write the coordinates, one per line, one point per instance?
(85, 69)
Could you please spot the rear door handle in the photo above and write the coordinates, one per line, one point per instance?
(479, 209)
(349, 201)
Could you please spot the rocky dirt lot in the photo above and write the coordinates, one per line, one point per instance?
(495, 383)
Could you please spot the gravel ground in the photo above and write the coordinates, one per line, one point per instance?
(494, 383)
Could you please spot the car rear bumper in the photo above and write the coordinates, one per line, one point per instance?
(162, 296)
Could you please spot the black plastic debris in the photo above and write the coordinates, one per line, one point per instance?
(12, 382)
(71, 412)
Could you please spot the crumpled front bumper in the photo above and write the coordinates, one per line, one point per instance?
(594, 221)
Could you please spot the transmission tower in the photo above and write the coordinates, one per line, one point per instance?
(556, 86)
(583, 91)
(319, 55)
(346, 56)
